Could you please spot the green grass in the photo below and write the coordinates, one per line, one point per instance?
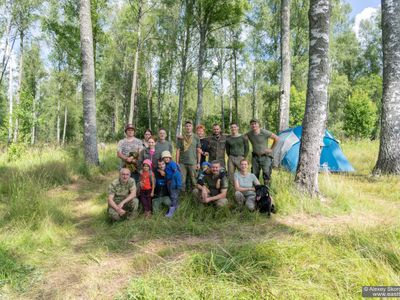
(52, 219)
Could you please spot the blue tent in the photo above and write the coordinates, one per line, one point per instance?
(286, 152)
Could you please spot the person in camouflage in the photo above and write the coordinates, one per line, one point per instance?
(188, 154)
(261, 155)
(216, 145)
(128, 150)
(214, 186)
(122, 201)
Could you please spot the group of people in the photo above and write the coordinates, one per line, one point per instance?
(149, 175)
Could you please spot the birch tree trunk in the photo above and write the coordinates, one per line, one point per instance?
(231, 94)
(58, 115)
(149, 96)
(315, 116)
(33, 128)
(284, 103)
(389, 148)
(235, 92)
(133, 103)
(10, 103)
(253, 95)
(20, 76)
(65, 124)
(182, 79)
(202, 53)
(159, 96)
(88, 85)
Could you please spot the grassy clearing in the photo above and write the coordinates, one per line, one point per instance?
(56, 240)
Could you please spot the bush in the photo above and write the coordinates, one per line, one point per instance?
(360, 115)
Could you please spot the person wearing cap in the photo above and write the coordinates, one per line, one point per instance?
(147, 185)
(162, 143)
(174, 181)
(216, 145)
(214, 187)
(188, 154)
(261, 155)
(122, 199)
(128, 150)
(237, 148)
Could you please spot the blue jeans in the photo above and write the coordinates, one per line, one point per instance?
(174, 195)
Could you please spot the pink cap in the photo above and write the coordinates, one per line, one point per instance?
(147, 162)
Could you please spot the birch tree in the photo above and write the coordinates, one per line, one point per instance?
(284, 103)
(389, 149)
(88, 85)
(315, 116)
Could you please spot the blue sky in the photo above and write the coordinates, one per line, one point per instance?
(359, 5)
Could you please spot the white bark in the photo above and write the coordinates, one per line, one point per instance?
(133, 102)
(389, 149)
(58, 115)
(88, 84)
(65, 124)
(284, 103)
(10, 101)
(18, 98)
(315, 116)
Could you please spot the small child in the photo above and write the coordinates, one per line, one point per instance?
(161, 194)
(174, 181)
(147, 185)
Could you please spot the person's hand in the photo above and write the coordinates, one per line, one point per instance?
(207, 199)
(205, 153)
(162, 172)
(120, 205)
(198, 167)
(152, 194)
(121, 212)
(268, 151)
(204, 195)
(179, 136)
(142, 185)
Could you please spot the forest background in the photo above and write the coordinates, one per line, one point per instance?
(166, 56)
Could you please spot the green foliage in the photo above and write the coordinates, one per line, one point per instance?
(15, 151)
(297, 106)
(359, 115)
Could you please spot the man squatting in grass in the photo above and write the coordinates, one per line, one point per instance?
(174, 181)
(216, 145)
(237, 148)
(214, 187)
(128, 150)
(261, 155)
(122, 199)
(188, 154)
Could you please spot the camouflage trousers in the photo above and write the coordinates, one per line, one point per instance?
(130, 207)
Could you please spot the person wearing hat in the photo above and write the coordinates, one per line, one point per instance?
(188, 154)
(147, 185)
(174, 181)
(128, 150)
(261, 155)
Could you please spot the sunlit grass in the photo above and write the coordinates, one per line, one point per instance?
(53, 210)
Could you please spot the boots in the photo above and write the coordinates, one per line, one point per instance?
(171, 211)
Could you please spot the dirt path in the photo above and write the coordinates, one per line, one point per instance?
(80, 274)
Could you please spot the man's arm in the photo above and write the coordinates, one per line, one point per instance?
(178, 154)
(227, 147)
(275, 139)
(113, 205)
(131, 196)
(246, 145)
(221, 195)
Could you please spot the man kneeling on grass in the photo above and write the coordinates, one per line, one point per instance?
(122, 201)
(213, 187)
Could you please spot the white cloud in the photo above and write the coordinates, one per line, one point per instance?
(366, 14)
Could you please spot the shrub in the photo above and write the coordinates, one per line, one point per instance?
(360, 115)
